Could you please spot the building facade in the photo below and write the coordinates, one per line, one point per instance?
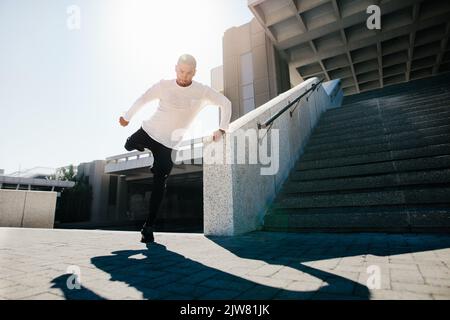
(253, 70)
(333, 39)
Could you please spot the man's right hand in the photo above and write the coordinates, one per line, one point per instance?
(123, 122)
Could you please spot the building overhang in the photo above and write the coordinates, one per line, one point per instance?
(330, 39)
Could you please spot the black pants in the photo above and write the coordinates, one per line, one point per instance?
(162, 166)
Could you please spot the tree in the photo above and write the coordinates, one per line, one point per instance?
(66, 174)
(75, 202)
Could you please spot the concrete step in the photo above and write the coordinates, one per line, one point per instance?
(421, 130)
(397, 125)
(344, 115)
(370, 114)
(419, 177)
(412, 95)
(405, 98)
(385, 121)
(376, 148)
(349, 133)
(435, 194)
(361, 159)
(362, 219)
(377, 139)
(381, 167)
(424, 86)
(389, 103)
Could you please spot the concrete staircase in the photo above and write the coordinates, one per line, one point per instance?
(379, 163)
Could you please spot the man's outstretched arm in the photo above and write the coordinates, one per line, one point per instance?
(216, 98)
(151, 94)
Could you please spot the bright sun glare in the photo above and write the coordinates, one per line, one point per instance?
(150, 36)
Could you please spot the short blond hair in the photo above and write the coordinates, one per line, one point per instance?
(187, 59)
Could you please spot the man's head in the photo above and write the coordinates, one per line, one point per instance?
(185, 69)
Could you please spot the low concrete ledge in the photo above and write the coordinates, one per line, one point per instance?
(29, 209)
(36, 182)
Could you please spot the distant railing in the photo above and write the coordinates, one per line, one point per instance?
(269, 122)
(33, 182)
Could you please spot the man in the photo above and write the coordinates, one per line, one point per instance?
(180, 100)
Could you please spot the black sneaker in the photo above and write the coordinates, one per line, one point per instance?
(147, 234)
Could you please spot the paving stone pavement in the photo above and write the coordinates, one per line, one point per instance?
(92, 264)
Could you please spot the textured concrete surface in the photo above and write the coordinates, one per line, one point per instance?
(41, 264)
(231, 204)
(31, 209)
(387, 157)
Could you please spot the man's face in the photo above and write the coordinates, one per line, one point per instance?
(185, 73)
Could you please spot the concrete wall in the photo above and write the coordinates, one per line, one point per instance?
(236, 196)
(29, 209)
(217, 79)
(102, 212)
(99, 181)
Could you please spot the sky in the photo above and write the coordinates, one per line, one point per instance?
(69, 69)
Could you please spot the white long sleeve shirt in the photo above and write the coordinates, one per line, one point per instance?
(177, 108)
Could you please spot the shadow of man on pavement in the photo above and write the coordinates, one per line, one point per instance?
(65, 283)
(159, 273)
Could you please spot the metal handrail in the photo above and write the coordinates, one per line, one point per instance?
(279, 113)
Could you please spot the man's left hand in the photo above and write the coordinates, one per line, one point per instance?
(218, 134)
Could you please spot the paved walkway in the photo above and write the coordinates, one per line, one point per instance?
(39, 264)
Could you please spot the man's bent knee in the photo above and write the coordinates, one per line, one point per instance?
(128, 146)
